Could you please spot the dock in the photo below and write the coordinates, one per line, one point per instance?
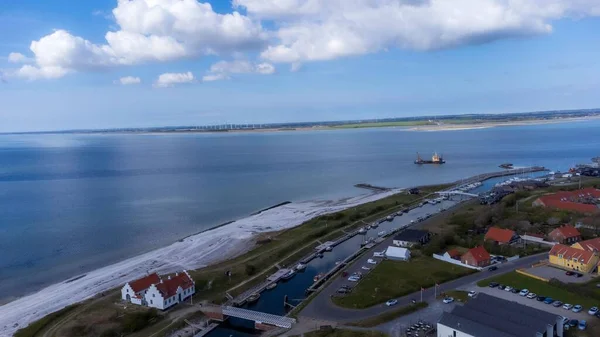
(372, 187)
(486, 176)
(243, 297)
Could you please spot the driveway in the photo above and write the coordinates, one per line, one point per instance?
(549, 272)
(322, 307)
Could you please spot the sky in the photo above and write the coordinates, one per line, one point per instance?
(98, 64)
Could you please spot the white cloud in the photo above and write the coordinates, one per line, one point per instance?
(302, 31)
(17, 58)
(171, 79)
(328, 29)
(149, 30)
(128, 80)
(222, 69)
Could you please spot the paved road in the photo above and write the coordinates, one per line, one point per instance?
(323, 308)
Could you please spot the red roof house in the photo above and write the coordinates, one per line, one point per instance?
(582, 201)
(144, 283)
(501, 235)
(169, 287)
(476, 257)
(566, 234)
(592, 245)
(453, 254)
(573, 258)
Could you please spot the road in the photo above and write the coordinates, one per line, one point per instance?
(323, 308)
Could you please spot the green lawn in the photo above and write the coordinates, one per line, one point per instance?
(519, 281)
(344, 333)
(392, 279)
(388, 316)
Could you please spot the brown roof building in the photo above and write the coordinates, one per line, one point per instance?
(583, 201)
(566, 234)
(501, 235)
(476, 257)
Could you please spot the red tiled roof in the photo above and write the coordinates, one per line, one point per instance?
(571, 253)
(169, 287)
(567, 231)
(453, 253)
(591, 245)
(499, 234)
(144, 283)
(479, 254)
(571, 200)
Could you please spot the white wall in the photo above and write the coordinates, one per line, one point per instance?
(448, 259)
(154, 298)
(537, 240)
(444, 331)
(126, 290)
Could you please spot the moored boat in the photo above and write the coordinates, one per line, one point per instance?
(300, 267)
(362, 231)
(253, 298)
(317, 277)
(288, 275)
(271, 286)
(328, 248)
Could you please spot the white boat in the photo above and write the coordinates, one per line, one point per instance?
(271, 286)
(374, 225)
(382, 233)
(328, 248)
(389, 218)
(289, 275)
(300, 267)
(362, 231)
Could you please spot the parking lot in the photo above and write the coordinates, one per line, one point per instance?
(549, 272)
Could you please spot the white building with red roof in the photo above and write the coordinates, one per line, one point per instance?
(155, 292)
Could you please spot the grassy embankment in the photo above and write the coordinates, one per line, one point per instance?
(392, 279)
(282, 248)
(389, 316)
(34, 328)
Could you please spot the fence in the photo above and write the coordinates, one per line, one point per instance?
(537, 240)
(512, 258)
(453, 261)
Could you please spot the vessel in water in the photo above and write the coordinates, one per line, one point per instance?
(288, 275)
(271, 286)
(435, 159)
(253, 298)
(300, 267)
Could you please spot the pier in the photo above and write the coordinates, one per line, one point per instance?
(486, 176)
(372, 187)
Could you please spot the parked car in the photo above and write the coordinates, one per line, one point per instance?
(515, 290)
(472, 293)
(568, 306)
(557, 304)
(597, 314)
(448, 300)
(353, 278)
(577, 308)
(593, 310)
(540, 298)
(493, 284)
(371, 261)
(531, 296)
(492, 268)
(508, 288)
(566, 321)
(343, 291)
(391, 302)
(548, 300)
(573, 323)
(524, 292)
(569, 273)
(501, 286)
(379, 254)
(582, 325)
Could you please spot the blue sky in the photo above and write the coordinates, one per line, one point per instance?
(298, 63)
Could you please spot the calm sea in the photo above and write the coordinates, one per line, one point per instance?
(70, 203)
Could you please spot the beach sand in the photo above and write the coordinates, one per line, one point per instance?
(193, 252)
(473, 126)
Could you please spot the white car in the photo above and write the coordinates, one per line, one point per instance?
(524, 292)
(379, 254)
(371, 261)
(472, 293)
(577, 308)
(508, 288)
(593, 311)
(365, 268)
(568, 306)
(531, 296)
(353, 278)
(391, 302)
(448, 300)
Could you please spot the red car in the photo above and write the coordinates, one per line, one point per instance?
(569, 273)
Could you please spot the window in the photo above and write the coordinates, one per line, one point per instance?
(560, 256)
(454, 333)
(128, 290)
(151, 302)
(153, 295)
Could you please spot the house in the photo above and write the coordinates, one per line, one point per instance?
(155, 292)
(572, 258)
(592, 245)
(491, 316)
(501, 236)
(396, 253)
(565, 234)
(411, 237)
(135, 291)
(583, 201)
(452, 254)
(476, 257)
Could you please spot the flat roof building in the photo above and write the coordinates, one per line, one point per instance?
(489, 316)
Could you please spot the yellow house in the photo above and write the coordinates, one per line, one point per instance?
(572, 258)
(592, 245)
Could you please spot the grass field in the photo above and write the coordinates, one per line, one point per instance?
(519, 281)
(389, 316)
(392, 279)
(344, 333)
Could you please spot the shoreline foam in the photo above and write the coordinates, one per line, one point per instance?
(193, 252)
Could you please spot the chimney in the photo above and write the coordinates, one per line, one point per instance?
(169, 277)
(176, 274)
(160, 280)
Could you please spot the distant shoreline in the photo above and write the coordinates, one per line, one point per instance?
(472, 126)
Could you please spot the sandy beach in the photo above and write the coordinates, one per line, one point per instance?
(473, 126)
(193, 252)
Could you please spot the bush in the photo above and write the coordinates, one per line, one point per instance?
(137, 321)
(111, 333)
(250, 269)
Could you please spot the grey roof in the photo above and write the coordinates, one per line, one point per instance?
(491, 316)
(411, 235)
